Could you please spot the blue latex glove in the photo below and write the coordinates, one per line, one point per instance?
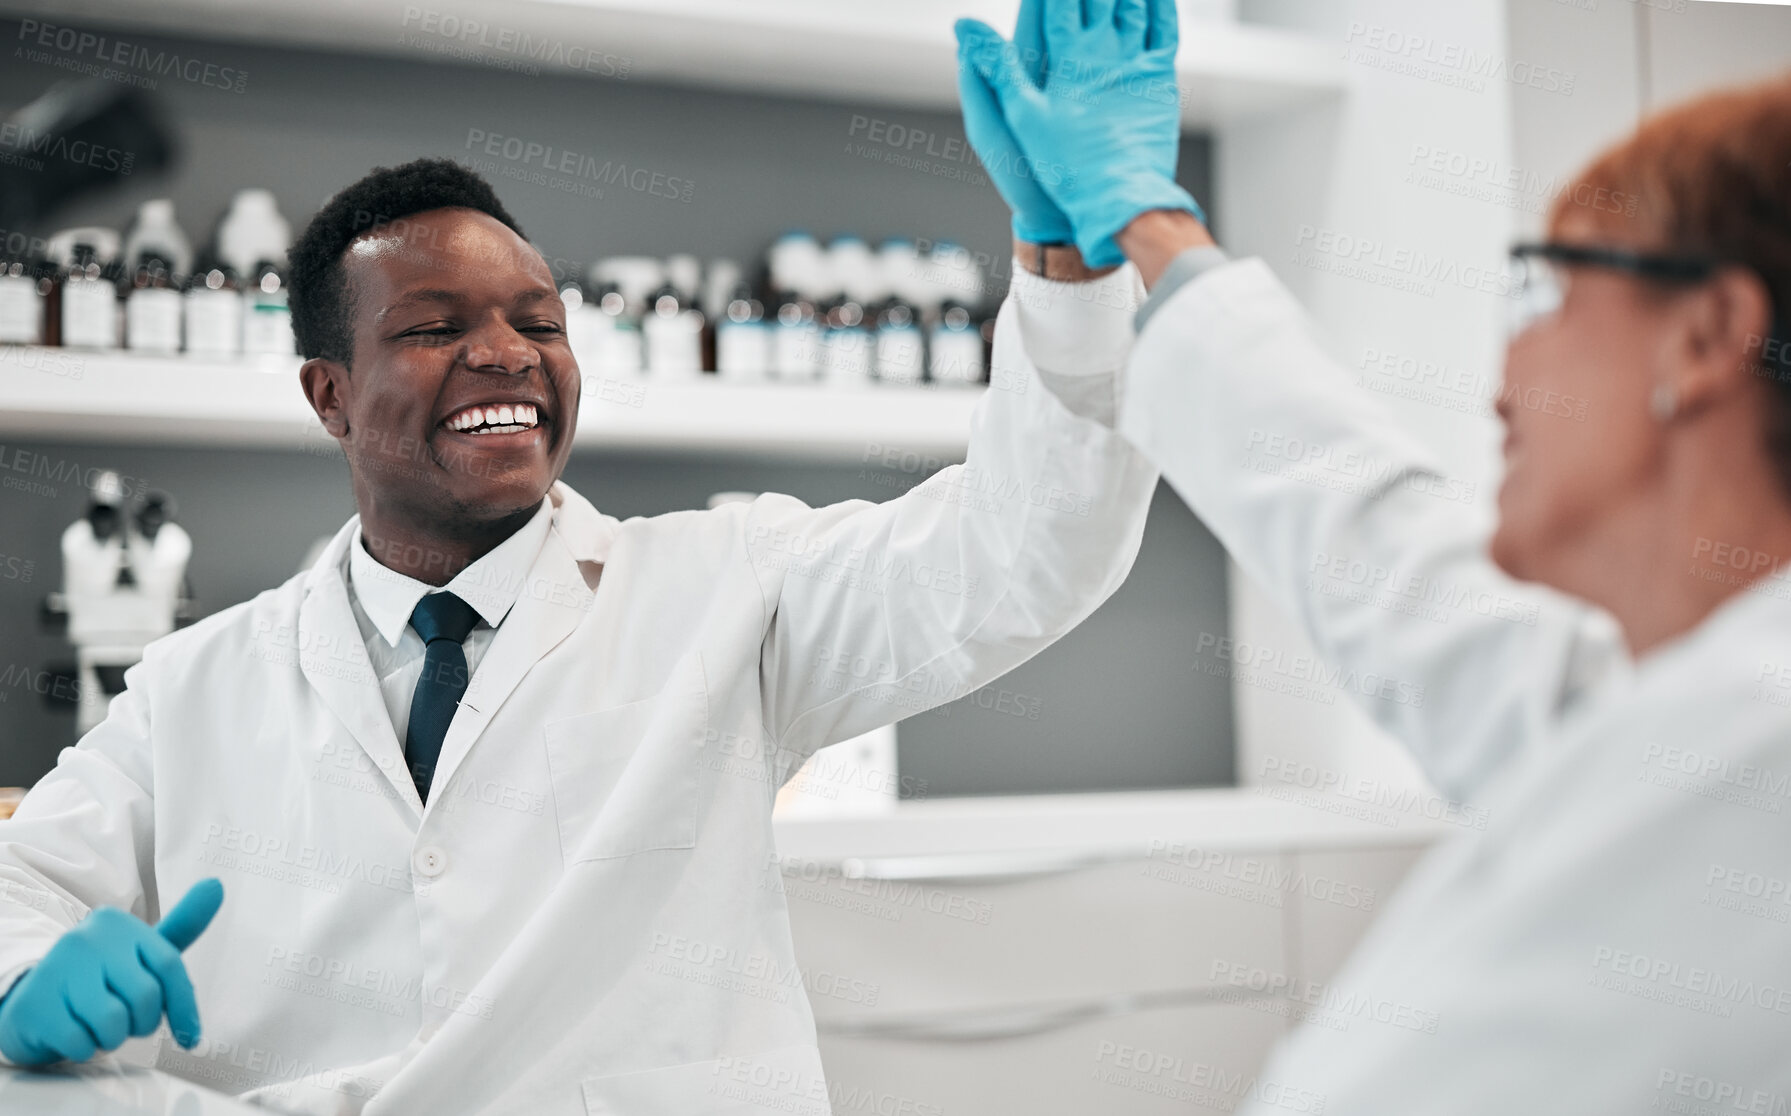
(108, 979)
(1108, 112)
(1036, 217)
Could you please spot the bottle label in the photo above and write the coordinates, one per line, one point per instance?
(214, 323)
(900, 359)
(585, 327)
(957, 356)
(618, 353)
(674, 343)
(21, 311)
(846, 355)
(89, 314)
(743, 350)
(795, 352)
(152, 321)
(268, 329)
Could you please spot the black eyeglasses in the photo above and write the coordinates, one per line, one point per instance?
(1540, 289)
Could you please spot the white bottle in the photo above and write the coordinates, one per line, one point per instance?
(22, 289)
(634, 277)
(797, 264)
(795, 339)
(152, 307)
(901, 353)
(90, 311)
(585, 325)
(672, 331)
(685, 273)
(156, 233)
(955, 349)
(859, 273)
(954, 275)
(721, 281)
(267, 314)
(743, 339)
(904, 273)
(252, 230)
(214, 314)
(619, 352)
(847, 347)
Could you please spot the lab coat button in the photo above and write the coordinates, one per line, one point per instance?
(430, 861)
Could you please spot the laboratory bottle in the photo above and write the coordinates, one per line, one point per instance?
(89, 293)
(846, 344)
(954, 275)
(684, 274)
(955, 348)
(672, 331)
(585, 324)
(796, 263)
(619, 350)
(252, 230)
(795, 338)
(721, 279)
(743, 338)
(904, 274)
(900, 348)
(858, 273)
(267, 316)
(152, 306)
(25, 286)
(213, 309)
(156, 233)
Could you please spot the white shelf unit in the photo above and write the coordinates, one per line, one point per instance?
(900, 54)
(68, 394)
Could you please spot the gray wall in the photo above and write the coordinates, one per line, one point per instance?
(1118, 701)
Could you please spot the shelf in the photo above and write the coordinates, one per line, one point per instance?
(836, 50)
(68, 395)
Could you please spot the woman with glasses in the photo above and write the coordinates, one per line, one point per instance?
(1618, 938)
(1608, 684)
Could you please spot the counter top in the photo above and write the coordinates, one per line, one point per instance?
(1119, 825)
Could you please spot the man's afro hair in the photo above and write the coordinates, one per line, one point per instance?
(320, 298)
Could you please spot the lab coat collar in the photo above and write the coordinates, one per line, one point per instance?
(489, 584)
(587, 532)
(1754, 618)
(557, 593)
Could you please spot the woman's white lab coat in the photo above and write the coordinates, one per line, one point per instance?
(588, 915)
(1618, 937)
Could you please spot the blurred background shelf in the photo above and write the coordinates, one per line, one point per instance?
(68, 395)
(896, 54)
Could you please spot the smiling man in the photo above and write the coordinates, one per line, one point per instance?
(489, 788)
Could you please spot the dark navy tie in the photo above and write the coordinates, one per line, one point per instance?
(443, 621)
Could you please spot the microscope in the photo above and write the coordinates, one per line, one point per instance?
(123, 584)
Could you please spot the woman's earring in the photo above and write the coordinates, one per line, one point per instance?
(1664, 402)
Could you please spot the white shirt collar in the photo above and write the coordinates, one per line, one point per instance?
(491, 584)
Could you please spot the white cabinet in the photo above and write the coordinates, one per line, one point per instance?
(1118, 953)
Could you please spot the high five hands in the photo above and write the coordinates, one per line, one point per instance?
(1077, 119)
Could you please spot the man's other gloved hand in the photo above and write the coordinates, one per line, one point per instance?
(110, 978)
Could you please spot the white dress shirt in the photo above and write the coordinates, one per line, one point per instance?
(382, 600)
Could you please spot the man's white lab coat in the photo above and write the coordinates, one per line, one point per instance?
(1617, 938)
(587, 917)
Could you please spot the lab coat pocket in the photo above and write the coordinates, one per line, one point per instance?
(787, 1081)
(625, 778)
